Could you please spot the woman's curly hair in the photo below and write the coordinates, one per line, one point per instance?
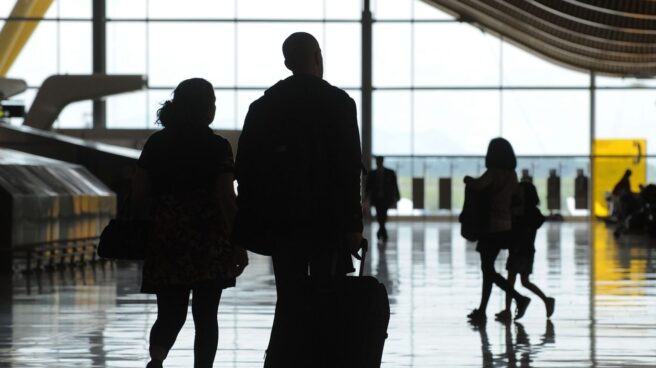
(192, 104)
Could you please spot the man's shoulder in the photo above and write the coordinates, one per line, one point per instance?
(337, 93)
(389, 173)
(304, 82)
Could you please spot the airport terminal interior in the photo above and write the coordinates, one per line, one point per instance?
(570, 84)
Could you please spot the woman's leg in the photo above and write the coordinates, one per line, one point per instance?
(526, 282)
(171, 316)
(204, 307)
(512, 276)
(488, 256)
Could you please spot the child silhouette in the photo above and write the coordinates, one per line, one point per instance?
(527, 219)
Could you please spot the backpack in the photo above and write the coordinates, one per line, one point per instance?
(474, 216)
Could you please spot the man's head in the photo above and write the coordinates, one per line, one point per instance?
(379, 161)
(303, 54)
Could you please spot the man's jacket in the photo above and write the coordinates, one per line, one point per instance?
(298, 164)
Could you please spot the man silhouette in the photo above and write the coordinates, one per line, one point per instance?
(298, 169)
(382, 192)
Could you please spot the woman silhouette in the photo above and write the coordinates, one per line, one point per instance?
(496, 187)
(184, 183)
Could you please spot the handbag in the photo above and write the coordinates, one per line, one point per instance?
(124, 239)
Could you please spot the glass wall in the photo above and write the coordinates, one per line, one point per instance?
(441, 86)
(457, 87)
(60, 44)
(236, 45)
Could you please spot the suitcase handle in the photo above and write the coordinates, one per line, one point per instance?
(364, 245)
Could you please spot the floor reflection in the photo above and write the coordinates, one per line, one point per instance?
(605, 312)
(520, 351)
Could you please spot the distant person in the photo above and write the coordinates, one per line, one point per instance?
(623, 199)
(382, 192)
(184, 183)
(298, 169)
(623, 186)
(496, 187)
(527, 219)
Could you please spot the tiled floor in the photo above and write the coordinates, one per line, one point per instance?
(605, 312)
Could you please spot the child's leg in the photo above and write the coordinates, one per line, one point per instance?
(512, 276)
(529, 285)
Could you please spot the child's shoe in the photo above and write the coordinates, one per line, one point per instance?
(522, 304)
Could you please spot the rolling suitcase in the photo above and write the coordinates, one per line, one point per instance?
(344, 323)
(352, 314)
(367, 302)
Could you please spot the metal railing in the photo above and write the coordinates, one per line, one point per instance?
(53, 255)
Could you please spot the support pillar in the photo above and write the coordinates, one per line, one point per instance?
(99, 59)
(367, 88)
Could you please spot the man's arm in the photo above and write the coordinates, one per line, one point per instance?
(244, 155)
(352, 164)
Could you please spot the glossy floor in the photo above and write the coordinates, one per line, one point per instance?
(605, 310)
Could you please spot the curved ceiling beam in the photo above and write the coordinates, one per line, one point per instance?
(632, 7)
(614, 37)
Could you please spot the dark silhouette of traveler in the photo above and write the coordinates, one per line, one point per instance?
(623, 186)
(624, 200)
(625, 204)
(298, 167)
(496, 187)
(527, 219)
(184, 183)
(621, 191)
(382, 192)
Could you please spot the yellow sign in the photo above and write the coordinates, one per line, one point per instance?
(612, 157)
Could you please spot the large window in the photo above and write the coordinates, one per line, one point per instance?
(441, 86)
(444, 87)
(236, 45)
(627, 114)
(60, 44)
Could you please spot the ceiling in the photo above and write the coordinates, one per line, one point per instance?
(611, 37)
